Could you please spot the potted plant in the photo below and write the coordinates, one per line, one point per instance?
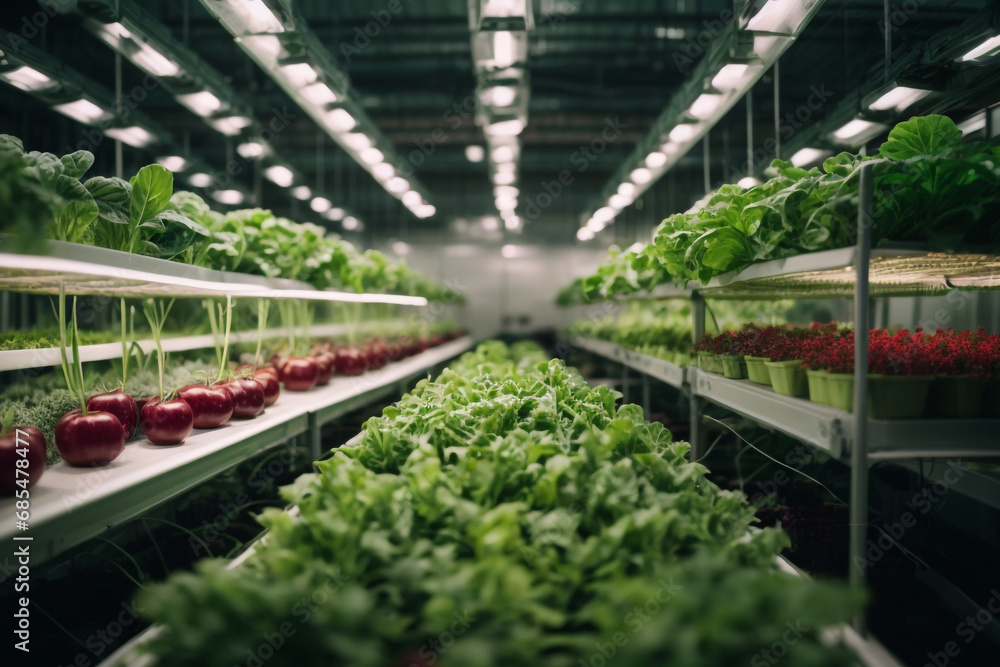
(755, 343)
(788, 377)
(730, 346)
(898, 376)
(706, 356)
(961, 364)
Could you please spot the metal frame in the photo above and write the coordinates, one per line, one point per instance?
(71, 505)
(866, 441)
(86, 270)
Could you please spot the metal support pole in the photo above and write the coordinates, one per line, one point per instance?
(645, 396)
(625, 392)
(697, 330)
(859, 450)
(315, 437)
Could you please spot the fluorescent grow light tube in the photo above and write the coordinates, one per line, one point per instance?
(27, 79)
(230, 125)
(857, 131)
(319, 94)
(340, 120)
(779, 16)
(705, 105)
(383, 171)
(987, 47)
(203, 103)
(200, 180)
(255, 16)
(806, 156)
(898, 98)
(173, 163)
(299, 74)
(504, 51)
(228, 197)
(133, 136)
(81, 110)
(280, 175)
(320, 204)
(474, 153)
(730, 77)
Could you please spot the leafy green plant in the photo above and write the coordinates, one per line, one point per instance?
(512, 497)
(930, 189)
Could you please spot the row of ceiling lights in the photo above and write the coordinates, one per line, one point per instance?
(281, 43)
(500, 50)
(788, 17)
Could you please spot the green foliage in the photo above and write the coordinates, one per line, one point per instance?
(510, 505)
(930, 189)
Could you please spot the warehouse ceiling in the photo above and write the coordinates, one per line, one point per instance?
(593, 64)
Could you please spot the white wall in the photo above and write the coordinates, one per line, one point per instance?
(522, 288)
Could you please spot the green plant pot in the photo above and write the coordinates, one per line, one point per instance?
(840, 391)
(991, 398)
(956, 396)
(709, 361)
(898, 396)
(788, 377)
(734, 368)
(817, 386)
(756, 370)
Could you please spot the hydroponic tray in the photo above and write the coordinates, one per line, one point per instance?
(12, 360)
(831, 273)
(85, 270)
(70, 505)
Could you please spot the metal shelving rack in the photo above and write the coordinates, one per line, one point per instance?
(860, 273)
(85, 270)
(71, 505)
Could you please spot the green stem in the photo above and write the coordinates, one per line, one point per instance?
(124, 318)
(224, 361)
(262, 308)
(214, 323)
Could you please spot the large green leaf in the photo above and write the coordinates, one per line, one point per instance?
(151, 191)
(76, 164)
(921, 136)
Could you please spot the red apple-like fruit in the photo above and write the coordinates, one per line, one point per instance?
(350, 361)
(327, 363)
(166, 422)
(31, 450)
(268, 380)
(299, 373)
(119, 404)
(248, 397)
(93, 439)
(212, 406)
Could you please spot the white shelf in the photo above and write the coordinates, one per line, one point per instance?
(832, 430)
(831, 273)
(654, 367)
(818, 425)
(86, 270)
(70, 505)
(12, 360)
